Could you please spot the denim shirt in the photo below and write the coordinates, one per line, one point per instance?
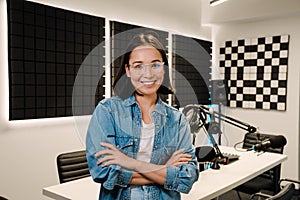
(119, 122)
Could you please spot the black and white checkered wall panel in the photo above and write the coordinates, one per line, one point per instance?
(255, 72)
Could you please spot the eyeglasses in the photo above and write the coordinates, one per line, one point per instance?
(139, 68)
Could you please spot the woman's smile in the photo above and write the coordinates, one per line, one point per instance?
(148, 82)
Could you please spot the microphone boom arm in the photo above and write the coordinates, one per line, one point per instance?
(230, 120)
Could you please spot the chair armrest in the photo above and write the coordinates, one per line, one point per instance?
(288, 180)
(260, 194)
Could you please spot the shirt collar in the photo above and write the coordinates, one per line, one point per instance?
(159, 108)
(130, 101)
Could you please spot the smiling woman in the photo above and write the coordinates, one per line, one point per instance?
(145, 80)
(136, 56)
(136, 144)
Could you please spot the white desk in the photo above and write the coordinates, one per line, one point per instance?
(81, 189)
(210, 184)
(213, 183)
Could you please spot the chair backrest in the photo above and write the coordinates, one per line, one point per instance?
(72, 166)
(251, 139)
(286, 193)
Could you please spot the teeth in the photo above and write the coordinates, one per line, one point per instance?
(148, 82)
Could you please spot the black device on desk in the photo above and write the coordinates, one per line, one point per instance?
(228, 158)
(209, 154)
(222, 158)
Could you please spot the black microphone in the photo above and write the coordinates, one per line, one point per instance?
(205, 153)
(277, 141)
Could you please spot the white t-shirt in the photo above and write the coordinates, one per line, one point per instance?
(146, 142)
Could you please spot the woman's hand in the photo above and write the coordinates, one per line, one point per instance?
(179, 158)
(112, 156)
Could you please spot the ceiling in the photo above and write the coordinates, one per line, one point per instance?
(248, 10)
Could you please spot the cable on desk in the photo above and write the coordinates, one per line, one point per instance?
(238, 149)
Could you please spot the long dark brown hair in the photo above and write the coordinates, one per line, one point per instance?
(122, 85)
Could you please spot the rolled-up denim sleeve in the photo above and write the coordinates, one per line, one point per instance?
(181, 178)
(100, 126)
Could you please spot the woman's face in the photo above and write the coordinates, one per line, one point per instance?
(145, 69)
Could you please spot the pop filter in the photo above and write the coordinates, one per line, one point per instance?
(195, 116)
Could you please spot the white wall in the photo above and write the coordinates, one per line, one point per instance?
(283, 17)
(29, 149)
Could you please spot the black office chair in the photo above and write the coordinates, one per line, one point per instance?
(267, 181)
(296, 193)
(286, 193)
(72, 166)
(288, 180)
(3, 198)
